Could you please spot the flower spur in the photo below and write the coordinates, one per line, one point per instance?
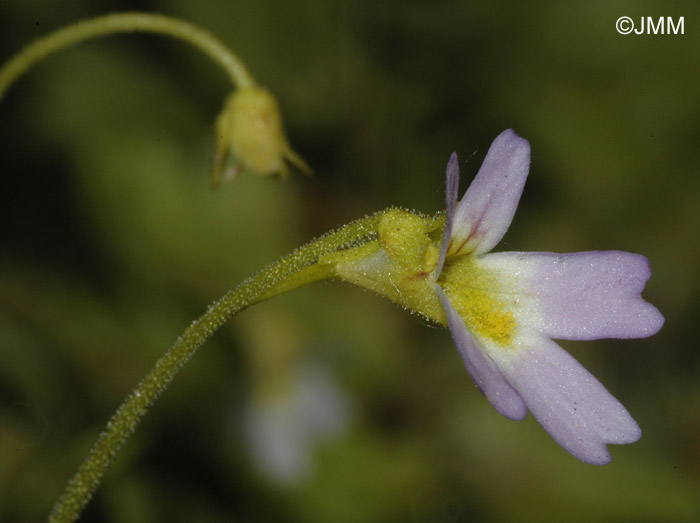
(503, 309)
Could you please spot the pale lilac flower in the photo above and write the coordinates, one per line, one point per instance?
(282, 430)
(503, 309)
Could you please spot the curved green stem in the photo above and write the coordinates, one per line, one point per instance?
(292, 271)
(125, 23)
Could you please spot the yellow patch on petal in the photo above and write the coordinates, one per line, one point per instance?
(481, 300)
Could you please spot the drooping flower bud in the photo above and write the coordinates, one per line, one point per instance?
(249, 131)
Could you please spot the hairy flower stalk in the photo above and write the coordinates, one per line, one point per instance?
(292, 271)
(125, 23)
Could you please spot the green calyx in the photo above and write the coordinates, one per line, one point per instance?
(399, 264)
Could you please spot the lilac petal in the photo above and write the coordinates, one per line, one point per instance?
(451, 193)
(571, 405)
(483, 371)
(484, 214)
(583, 295)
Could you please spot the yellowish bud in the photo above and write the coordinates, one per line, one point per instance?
(249, 130)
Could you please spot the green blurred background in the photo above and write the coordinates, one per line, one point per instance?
(112, 242)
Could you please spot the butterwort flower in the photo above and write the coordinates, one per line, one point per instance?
(295, 402)
(513, 304)
(504, 309)
(283, 429)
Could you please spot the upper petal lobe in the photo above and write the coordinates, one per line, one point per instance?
(451, 189)
(483, 216)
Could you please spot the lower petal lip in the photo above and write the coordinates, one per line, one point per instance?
(482, 369)
(568, 401)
